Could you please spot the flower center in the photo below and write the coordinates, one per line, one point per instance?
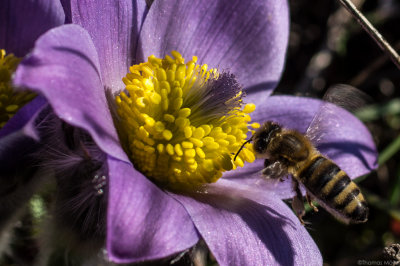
(182, 124)
(10, 100)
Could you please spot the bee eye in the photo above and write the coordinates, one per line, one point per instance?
(260, 145)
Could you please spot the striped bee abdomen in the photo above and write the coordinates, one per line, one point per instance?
(333, 187)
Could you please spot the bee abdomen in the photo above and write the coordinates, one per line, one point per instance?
(331, 185)
(317, 173)
(343, 195)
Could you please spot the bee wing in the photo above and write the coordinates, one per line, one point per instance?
(328, 117)
(347, 97)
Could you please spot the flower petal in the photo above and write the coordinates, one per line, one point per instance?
(340, 135)
(144, 223)
(66, 71)
(245, 228)
(344, 138)
(22, 22)
(23, 120)
(18, 140)
(66, 4)
(113, 27)
(249, 38)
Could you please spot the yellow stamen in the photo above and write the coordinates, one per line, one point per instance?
(169, 136)
(10, 100)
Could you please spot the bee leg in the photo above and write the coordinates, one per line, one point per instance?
(274, 170)
(309, 200)
(297, 202)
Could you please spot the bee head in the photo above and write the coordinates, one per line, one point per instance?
(263, 136)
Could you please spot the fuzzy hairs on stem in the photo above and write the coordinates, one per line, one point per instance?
(78, 211)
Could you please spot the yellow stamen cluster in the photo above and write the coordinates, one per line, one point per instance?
(169, 139)
(10, 100)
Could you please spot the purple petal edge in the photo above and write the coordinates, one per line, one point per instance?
(23, 21)
(19, 138)
(66, 72)
(245, 227)
(24, 119)
(114, 28)
(144, 223)
(248, 38)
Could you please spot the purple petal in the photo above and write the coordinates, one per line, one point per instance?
(24, 118)
(65, 71)
(18, 139)
(260, 230)
(247, 37)
(66, 4)
(113, 27)
(20, 133)
(23, 21)
(144, 223)
(344, 138)
(290, 111)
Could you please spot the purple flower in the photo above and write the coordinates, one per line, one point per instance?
(242, 217)
(21, 23)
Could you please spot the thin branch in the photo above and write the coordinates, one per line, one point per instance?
(372, 31)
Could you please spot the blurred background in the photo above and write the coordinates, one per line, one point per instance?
(327, 46)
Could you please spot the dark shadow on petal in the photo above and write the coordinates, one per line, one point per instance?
(258, 217)
(66, 4)
(22, 22)
(337, 149)
(136, 49)
(100, 131)
(79, 54)
(36, 61)
(268, 87)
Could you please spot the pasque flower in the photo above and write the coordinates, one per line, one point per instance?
(80, 68)
(21, 23)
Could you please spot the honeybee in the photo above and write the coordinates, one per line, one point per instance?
(289, 152)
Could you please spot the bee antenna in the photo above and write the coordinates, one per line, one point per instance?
(241, 147)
